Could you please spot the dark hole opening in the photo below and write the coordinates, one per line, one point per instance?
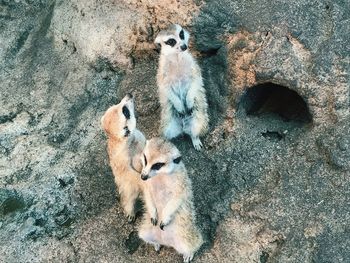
(272, 98)
(210, 52)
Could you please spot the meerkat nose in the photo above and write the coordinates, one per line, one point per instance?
(144, 177)
(183, 47)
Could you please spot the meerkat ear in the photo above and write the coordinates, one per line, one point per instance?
(103, 122)
(157, 42)
(158, 48)
(177, 160)
(187, 35)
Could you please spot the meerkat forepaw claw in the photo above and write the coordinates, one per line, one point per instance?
(181, 115)
(157, 247)
(197, 144)
(154, 221)
(190, 111)
(131, 219)
(188, 258)
(162, 225)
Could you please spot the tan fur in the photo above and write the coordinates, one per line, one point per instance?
(169, 201)
(124, 153)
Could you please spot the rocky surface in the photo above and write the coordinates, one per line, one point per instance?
(271, 186)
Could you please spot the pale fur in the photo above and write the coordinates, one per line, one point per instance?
(180, 89)
(169, 201)
(124, 153)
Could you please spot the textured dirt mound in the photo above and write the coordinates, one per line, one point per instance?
(271, 185)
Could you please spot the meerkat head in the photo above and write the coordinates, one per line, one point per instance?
(119, 120)
(172, 40)
(160, 157)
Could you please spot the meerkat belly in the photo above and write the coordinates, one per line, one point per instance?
(181, 88)
(162, 197)
(162, 194)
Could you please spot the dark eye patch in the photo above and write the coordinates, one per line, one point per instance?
(171, 42)
(144, 156)
(126, 112)
(182, 34)
(157, 166)
(177, 160)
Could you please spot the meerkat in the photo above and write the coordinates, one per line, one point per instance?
(170, 216)
(180, 87)
(125, 145)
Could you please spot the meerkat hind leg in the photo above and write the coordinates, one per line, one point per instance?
(156, 247)
(192, 128)
(197, 144)
(173, 129)
(188, 258)
(147, 233)
(129, 205)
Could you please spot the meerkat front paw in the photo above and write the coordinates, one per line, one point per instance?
(131, 218)
(154, 221)
(189, 112)
(157, 247)
(188, 258)
(180, 110)
(190, 102)
(197, 144)
(162, 225)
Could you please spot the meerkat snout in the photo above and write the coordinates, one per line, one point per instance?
(183, 47)
(144, 177)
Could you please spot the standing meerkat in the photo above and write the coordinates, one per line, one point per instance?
(125, 145)
(180, 87)
(169, 200)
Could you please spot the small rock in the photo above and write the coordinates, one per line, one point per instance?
(264, 257)
(65, 179)
(30, 230)
(133, 242)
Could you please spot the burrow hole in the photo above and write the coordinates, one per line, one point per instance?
(284, 105)
(270, 98)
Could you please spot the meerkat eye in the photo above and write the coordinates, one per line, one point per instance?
(182, 34)
(157, 166)
(171, 42)
(177, 160)
(144, 156)
(126, 112)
